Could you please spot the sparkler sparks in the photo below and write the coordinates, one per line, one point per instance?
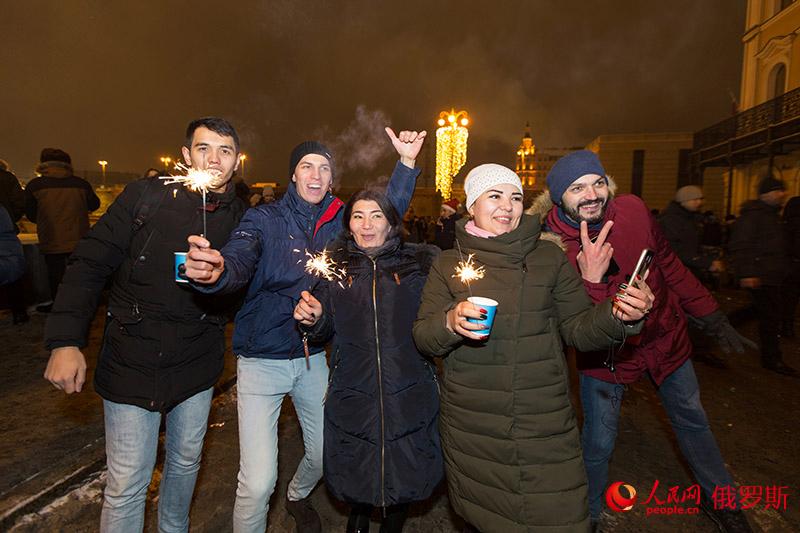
(466, 271)
(321, 265)
(195, 178)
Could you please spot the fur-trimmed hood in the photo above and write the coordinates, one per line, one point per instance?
(542, 205)
(54, 169)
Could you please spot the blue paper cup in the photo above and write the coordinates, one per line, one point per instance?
(491, 308)
(180, 267)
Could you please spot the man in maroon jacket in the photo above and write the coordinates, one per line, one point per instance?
(604, 237)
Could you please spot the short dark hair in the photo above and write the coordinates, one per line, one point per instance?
(218, 125)
(151, 173)
(379, 197)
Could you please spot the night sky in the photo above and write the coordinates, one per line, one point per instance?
(120, 80)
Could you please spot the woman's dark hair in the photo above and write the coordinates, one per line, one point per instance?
(385, 205)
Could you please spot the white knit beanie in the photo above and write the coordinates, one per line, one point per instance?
(483, 177)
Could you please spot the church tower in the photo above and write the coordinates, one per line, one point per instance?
(526, 159)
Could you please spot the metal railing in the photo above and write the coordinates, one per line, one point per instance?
(760, 117)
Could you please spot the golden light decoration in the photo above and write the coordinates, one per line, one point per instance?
(451, 148)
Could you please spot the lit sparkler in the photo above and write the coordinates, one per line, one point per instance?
(322, 266)
(466, 270)
(196, 179)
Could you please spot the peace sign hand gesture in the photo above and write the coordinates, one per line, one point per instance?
(594, 257)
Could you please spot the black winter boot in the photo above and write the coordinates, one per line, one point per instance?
(394, 519)
(305, 517)
(726, 520)
(359, 519)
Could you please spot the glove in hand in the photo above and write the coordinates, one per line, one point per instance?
(716, 325)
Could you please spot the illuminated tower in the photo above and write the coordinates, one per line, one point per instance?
(526, 159)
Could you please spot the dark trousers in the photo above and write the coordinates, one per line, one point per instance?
(791, 297)
(768, 303)
(393, 518)
(15, 292)
(56, 266)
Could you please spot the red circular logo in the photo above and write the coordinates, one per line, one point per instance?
(616, 501)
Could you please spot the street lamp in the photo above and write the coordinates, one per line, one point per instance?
(242, 158)
(166, 161)
(103, 164)
(451, 148)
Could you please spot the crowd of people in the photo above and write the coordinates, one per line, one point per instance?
(382, 422)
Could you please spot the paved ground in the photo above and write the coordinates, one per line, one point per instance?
(51, 449)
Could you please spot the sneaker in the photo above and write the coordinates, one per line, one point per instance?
(305, 517)
(727, 520)
(45, 307)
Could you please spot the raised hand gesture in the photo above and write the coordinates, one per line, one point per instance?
(408, 144)
(594, 257)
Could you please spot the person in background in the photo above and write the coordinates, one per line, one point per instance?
(59, 203)
(12, 198)
(12, 261)
(682, 225)
(445, 231)
(791, 221)
(152, 173)
(761, 262)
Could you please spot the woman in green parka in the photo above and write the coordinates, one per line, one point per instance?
(510, 440)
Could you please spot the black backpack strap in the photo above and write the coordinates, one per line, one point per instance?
(148, 203)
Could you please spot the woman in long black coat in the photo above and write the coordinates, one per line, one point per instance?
(381, 436)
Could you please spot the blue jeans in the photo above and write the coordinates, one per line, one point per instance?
(262, 385)
(680, 396)
(131, 444)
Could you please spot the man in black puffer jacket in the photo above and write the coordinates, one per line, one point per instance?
(164, 343)
(682, 225)
(761, 262)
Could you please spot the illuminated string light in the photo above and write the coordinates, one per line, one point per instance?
(451, 149)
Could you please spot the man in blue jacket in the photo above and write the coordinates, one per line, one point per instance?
(268, 250)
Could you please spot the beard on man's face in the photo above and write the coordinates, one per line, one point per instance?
(574, 212)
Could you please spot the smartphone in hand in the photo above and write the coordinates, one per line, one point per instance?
(642, 266)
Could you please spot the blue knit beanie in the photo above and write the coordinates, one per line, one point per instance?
(569, 168)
